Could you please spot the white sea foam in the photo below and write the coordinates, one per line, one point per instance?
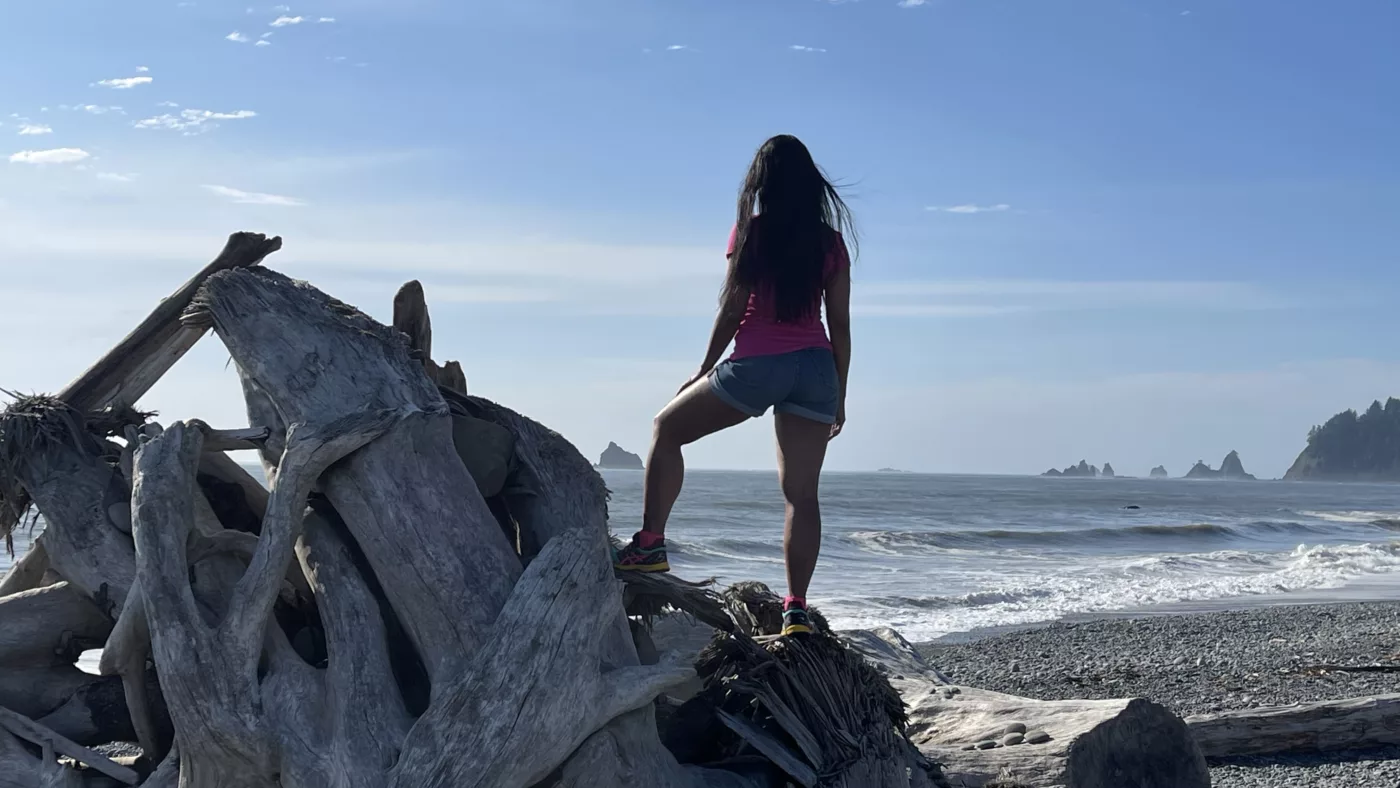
(1029, 598)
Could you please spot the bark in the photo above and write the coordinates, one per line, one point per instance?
(1321, 726)
(1092, 743)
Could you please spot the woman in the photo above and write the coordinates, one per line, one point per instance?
(784, 261)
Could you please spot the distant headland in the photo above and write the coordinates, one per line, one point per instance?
(1353, 448)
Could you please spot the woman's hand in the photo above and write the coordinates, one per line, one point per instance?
(840, 422)
(698, 376)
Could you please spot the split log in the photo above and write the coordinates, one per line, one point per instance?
(1321, 726)
(1091, 743)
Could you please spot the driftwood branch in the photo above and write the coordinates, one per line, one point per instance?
(412, 319)
(28, 729)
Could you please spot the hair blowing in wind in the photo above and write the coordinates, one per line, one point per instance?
(799, 210)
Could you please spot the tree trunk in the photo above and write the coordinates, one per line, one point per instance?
(407, 499)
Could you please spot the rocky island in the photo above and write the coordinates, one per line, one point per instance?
(1230, 469)
(1352, 447)
(1160, 472)
(619, 458)
(1081, 471)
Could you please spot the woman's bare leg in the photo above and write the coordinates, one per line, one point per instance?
(693, 414)
(801, 452)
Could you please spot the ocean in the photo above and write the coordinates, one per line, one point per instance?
(935, 556)
(941, 556)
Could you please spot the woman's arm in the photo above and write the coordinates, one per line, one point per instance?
(838, 318)
(727, 320)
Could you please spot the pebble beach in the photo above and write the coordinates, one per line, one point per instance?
(1206, 662)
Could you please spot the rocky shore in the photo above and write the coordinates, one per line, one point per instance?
(1204, 663)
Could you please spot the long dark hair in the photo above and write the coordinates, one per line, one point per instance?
(799, 211)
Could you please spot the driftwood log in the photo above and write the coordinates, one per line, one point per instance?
(1320, 726)
(421, 595)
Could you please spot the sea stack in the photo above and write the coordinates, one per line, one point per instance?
(1231, 469)
(617, 457)
(1160, 472)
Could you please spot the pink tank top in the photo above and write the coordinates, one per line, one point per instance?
(760, 333)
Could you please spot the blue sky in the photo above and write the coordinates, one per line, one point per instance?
(1134, 231)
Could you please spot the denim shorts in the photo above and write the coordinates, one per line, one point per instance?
(802, 383)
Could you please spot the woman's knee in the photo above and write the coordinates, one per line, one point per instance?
(664, 429)
(800, 494)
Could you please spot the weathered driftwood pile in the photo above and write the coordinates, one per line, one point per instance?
(421, 596)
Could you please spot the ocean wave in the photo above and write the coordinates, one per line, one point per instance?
(1195, 533)
(1136, 584)
(1383, 519)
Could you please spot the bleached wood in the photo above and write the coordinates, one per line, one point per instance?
(1319, 726)
(441, 558)
(535, 691)
(138, 361)
(1093, 742)
(210, 674)
(28, 572)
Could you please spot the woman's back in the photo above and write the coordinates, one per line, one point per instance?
(762, 332)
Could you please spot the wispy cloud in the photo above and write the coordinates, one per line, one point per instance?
(801, 48)
(192, 121)
(263, 43)
(115, 177)
(677, 47)
(167, 104)
(34, 129)
(253, 198)
(93, 109)
(282, 9)
(142, 69)
(236, 37)
(325, 20)
(970, 208)
(911, 3)
(1021, 295)
(283, 21)
(54, 156)
(125, 83)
